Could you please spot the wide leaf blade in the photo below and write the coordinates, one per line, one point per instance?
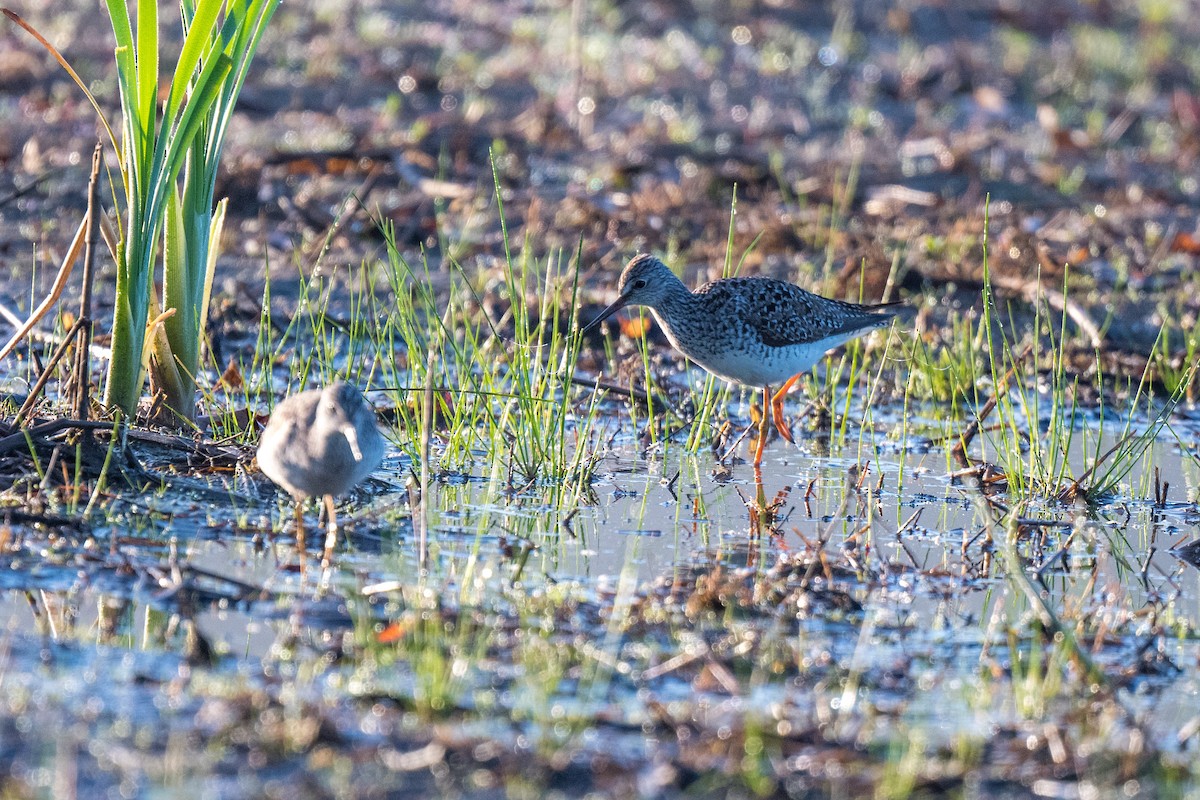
(198, 43)
(147, 65)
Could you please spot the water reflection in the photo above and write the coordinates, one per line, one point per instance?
(891, 519)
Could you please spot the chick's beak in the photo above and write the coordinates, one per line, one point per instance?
(352, 438)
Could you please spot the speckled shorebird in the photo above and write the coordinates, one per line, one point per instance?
(753, 331)
(321, 443)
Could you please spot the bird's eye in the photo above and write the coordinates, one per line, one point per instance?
(640, 283)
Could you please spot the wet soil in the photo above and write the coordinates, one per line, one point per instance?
(864, 141)
(172, 649)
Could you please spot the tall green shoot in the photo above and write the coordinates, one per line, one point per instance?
(153, 153)
(194, 226)
(156, 147)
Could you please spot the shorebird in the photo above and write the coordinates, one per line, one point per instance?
(753, 331)
(321, 443)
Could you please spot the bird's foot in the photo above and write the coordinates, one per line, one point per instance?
(777, 409)
(781, 423)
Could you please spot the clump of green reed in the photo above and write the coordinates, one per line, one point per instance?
(503, 399)
(1022, 376)
(1175, 366)
(1041, 427)
(501, 388)
(500, 394)
(540, 362)
(168, 162)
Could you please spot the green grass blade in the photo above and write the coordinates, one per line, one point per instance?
(196, 45)
(118, 15)
(171, 150)
(147, 65)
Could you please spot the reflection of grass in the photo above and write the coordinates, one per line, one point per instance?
(906, 756)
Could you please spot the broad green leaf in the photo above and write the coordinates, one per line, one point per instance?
(175, 289)
(214, 249)
(197, 44)
(193, 114)
(147, 64)
(123, 32)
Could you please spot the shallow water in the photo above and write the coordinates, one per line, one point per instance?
(918, 530)
(926, 611)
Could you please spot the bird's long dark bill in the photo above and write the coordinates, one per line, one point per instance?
(605, 314)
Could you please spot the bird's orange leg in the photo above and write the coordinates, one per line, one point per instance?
(331, 531)
(777, 408)
(301, 545)
(762, 428)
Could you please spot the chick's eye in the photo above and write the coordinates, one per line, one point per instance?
(639, 284)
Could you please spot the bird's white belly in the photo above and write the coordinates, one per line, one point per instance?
(778, 364)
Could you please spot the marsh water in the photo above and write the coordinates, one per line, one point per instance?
(90, 657)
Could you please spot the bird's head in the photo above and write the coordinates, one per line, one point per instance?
(343, 409)
(645, 281)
